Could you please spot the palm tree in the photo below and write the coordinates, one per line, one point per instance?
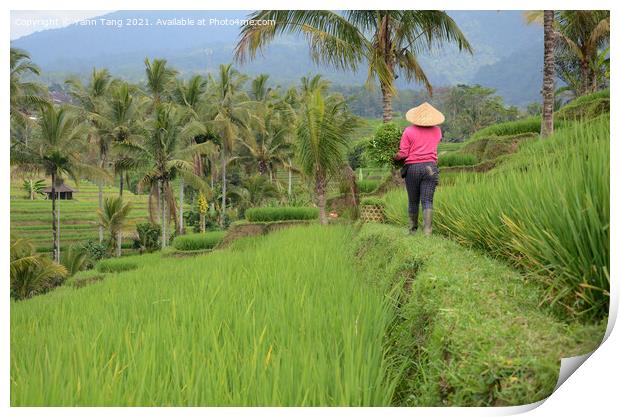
(159, 79)
(112, 217)
(548, 88)
(30, 272)
(167, 159)
(56, 149)
(387, 40)
(190, 97)
(229, 118)
(91, 101)
(120, 122)
(25, 95)
(322, 141)
(583, 33)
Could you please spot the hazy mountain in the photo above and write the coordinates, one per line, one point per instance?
(507, 53)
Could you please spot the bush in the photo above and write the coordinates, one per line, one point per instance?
(95, 251)
(274, 214)
(454, 159)
(198, 241)
(116, 265)
(467, 330)
(75, 259)
(148, 237)
(546, 209)
(384, 144)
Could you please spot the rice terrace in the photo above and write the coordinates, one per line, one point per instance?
(221, 229)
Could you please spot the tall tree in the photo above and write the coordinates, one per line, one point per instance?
(56, 149)
(167, 160)
(324, 124)
(583, 33)
(548, 87)
(91, 99)
(388, 41)
(159, 79)
(113, 217)
(229, 118)
(26, 96)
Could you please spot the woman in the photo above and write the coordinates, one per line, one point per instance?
(418, 147)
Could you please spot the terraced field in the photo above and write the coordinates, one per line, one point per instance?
(78, 217)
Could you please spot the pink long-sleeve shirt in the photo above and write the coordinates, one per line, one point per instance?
(419, 144)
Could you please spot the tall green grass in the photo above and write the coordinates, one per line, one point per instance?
(285, 321)
(546, 209)
(454, 159)
(273, 214)
(517, 127)
(198, 241)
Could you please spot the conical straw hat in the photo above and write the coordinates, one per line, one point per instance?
(425, 115)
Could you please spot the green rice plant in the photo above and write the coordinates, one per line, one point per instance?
(116, 265)
(367, 185)
(546, 209)
(284, 322)
(273, 214)
(454, 159)
(585, 107)
(198, 241)
(372, 201)
(468, 330)
(517, 127)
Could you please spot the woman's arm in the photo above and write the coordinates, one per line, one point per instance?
(405, 145)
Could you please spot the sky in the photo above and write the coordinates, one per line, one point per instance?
(25, 22)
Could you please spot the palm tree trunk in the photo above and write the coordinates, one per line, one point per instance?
(162, 207)
(320, 196)
(120, 186)
(290, 178)
(387, 103)
(223, 208)
(55, 251)
(548, 75)
(181, 190)
(119, 243)
(100, 190)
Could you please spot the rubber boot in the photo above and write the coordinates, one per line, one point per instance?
(428, 221)
(413, 223)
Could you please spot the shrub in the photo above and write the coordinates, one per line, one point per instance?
(457, 159)
(367, 186)
(94, 252)
(273, 214)
(75, 259)
(198, 241)
(545, 209)
(148, 237)
(384, 144)
(116, 265)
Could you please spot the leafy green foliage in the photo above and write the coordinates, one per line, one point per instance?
(148, 237)
(31, 273)
(198, 241)
(74, 259)
(33, 187)
(274, 214)
(384, 144)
